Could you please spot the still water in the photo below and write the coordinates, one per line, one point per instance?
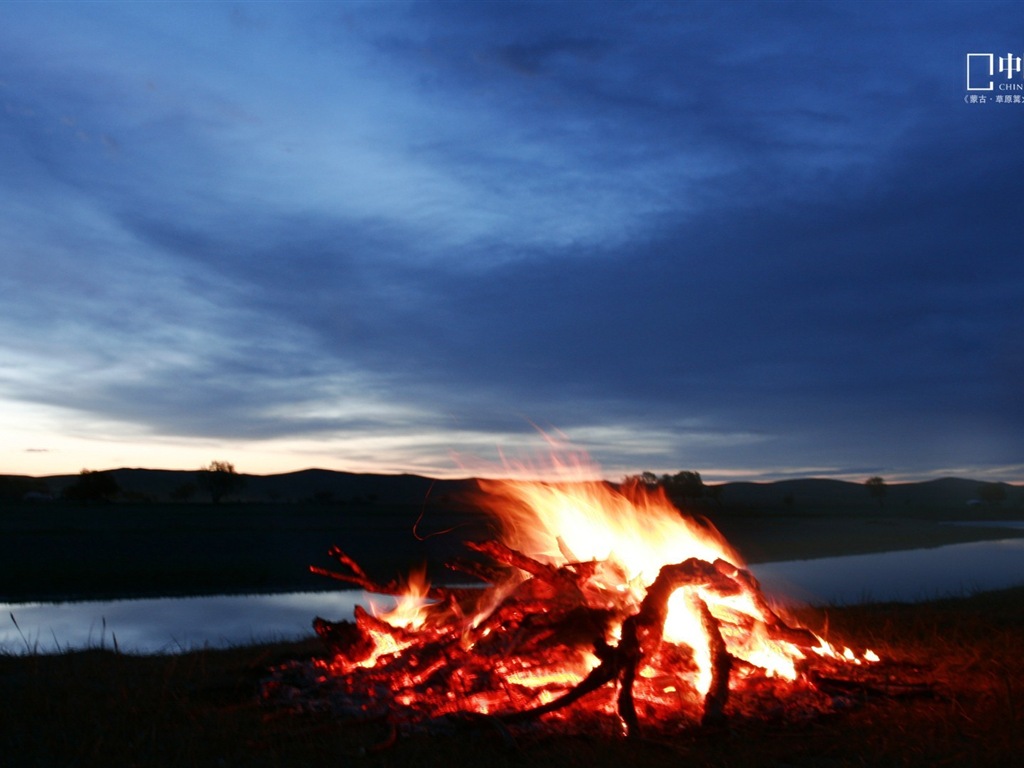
(912, 575)
(175, 624)
(169, 625)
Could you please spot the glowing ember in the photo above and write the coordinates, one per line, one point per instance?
(413, 604)
(603, 600)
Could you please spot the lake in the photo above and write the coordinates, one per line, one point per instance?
(913, 575)
(169, 625)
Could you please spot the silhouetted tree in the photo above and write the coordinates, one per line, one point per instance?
(648, 479)
(220, 479)
(876, 487)
(92, 486)
(685, 485)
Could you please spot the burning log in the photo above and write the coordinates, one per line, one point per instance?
(553, 635)
(356, 576)
(642, 635)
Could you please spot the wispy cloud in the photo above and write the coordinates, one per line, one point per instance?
(708, 236)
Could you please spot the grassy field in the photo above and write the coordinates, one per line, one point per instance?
(101, 708)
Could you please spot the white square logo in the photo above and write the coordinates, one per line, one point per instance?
(980, 71)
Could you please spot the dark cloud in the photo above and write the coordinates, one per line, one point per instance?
(762, 235)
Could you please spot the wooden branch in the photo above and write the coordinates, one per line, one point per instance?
(721, 666)
(358, 577)
(504, 554)
(485, 572)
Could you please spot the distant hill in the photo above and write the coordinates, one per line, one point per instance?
(306, 485)
(950, 494)
(811, 495)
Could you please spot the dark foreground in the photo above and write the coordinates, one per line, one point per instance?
(101, 708)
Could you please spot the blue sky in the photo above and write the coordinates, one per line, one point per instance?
(757, 240)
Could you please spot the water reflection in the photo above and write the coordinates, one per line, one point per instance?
(906, 576)
(170, 624)
(176, 624)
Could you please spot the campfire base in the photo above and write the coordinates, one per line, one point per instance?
(299, 688)
(523, 665)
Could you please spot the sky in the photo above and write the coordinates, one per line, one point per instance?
(756, 240)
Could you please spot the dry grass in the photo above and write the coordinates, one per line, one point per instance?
(99, 707)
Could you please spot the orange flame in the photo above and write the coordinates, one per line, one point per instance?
(411, 610)
(633, 531)
(636, 528)
(633, 528)
(629, 533)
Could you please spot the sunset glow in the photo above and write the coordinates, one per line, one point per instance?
(387, 237)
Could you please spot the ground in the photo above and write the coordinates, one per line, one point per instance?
(98, 707)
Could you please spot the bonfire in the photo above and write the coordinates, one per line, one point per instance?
(598, 604)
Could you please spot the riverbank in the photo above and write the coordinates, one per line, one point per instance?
(66, 551)
(99, 707)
